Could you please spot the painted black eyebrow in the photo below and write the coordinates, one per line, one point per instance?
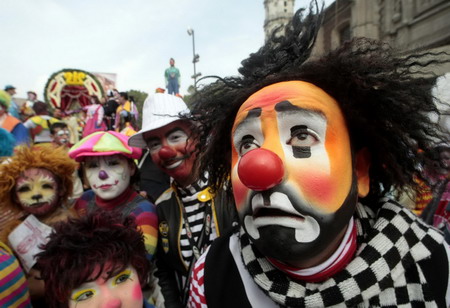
(253, 113)
(286, 106)
(298, 127)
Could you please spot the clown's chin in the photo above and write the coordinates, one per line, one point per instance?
(280, 243)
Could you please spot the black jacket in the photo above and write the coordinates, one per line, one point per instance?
(169, 261)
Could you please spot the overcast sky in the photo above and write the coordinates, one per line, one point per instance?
(132, 38)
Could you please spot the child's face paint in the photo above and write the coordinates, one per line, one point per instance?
(121, 290)
(108, 176)
(315, 199)
(37, 191)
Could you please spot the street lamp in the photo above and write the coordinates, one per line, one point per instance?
(195, 58)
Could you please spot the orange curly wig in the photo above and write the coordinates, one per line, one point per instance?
(55, 160)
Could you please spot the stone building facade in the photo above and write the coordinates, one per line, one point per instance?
(405, 24)
(278, 13)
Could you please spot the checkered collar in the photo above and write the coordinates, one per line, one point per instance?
(389, 244)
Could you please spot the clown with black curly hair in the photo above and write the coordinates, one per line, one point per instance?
(311, 146)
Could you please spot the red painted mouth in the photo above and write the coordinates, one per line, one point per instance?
(106, 186)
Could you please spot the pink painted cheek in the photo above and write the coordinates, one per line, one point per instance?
(136, 293)
(319, 189)
(113, 303)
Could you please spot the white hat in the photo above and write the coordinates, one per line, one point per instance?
(159, 110)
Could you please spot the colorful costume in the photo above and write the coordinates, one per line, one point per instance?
(175, 256)
(383, 247)
(10, 123)
(129, 203)
(104, 146)
(311, 147)
(13, 285)
(94, 119)
(128, 109)
(40, 124)
(189, 216)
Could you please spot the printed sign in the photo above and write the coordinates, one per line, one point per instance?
(26, 238)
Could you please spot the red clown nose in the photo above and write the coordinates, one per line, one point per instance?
(260, 169)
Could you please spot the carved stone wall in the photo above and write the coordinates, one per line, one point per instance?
(405, 24)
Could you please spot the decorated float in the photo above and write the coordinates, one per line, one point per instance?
(70, 89)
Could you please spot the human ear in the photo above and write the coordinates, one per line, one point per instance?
(362, 165)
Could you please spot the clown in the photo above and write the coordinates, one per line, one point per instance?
(96, 261)
(35, 181)
(190, 218)
(109, 168)
(311, 147)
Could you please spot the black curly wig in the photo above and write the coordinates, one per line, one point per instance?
(385, 97)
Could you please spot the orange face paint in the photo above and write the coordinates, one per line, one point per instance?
(271, 116)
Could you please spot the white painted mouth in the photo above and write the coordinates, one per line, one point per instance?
(306, 228)
(174, 165)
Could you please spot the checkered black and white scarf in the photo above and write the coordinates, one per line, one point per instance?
(383, 272)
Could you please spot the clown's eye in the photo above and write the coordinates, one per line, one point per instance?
(23, 189)
(83, 295)
(92, 165)
(113, 163)
(122, 277)
(47, 186)
(247, 144)
(153, 145)
(301, 136)
(177, 136)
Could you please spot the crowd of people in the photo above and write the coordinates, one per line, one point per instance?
(285, 186)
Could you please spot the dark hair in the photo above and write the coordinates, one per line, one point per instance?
(384, 96)
(77, 247)
(95, 98)
(124, 95)
(40, 108)
(57, 125)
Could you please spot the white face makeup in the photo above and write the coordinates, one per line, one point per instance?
(122, 290)
(61, 136)
(108, 176)
(292, 172)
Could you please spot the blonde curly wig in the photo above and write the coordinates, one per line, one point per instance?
(55, 160)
